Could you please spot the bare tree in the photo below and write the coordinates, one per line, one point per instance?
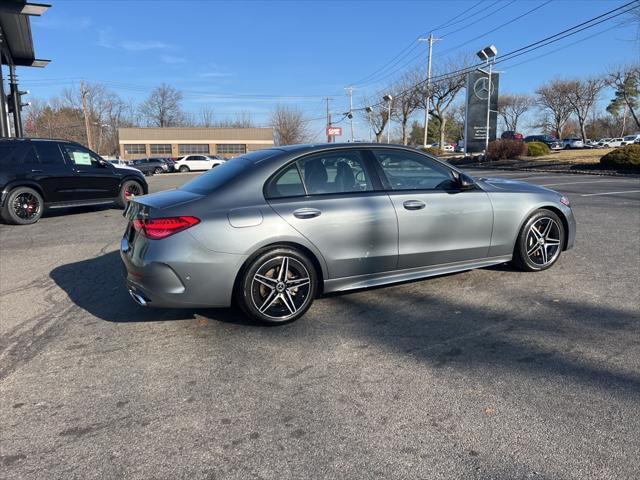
(556, 109)
(407, 101)
(163, 107)
(626, 83)
(582, 96)
(443, 92)
(511, 107)
(288, 125)
(206, 116)
(378, 117)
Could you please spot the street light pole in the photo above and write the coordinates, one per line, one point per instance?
(388, 98)
(486, 140)
(369, 110)
(489, 54)
(350, 90)
(431, 40)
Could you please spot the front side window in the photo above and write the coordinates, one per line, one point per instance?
(187, 148)
(411, 171)
(160, 148)
(82, 157)
(134, 149)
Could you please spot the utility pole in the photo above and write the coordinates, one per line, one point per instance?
(329, 137)
(350, 91)
(431, 41)
(87, 123)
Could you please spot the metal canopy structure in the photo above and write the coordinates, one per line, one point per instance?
(16, 50)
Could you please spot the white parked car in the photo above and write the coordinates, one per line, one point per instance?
(572, 143)
(197, 163)
(612, 142)
(629, 139)
(447, 147)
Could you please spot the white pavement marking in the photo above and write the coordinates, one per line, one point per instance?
(574, 183)
(608, 193)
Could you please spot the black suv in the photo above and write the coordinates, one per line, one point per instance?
(38, 173)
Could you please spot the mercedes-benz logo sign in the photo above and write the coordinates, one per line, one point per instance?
(481, 88)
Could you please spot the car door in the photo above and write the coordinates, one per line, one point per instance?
(53, 174)
(438, 222)
(94, 178)
(333, 200)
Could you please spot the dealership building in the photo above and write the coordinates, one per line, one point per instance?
(180, 141)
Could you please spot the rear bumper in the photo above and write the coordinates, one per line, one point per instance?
(178, 272)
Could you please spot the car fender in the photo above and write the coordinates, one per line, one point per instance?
(20, 183)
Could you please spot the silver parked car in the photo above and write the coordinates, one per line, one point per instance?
(277, 227)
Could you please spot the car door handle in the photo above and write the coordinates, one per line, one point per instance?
(35, 170)
(414, 205)
(306, 213)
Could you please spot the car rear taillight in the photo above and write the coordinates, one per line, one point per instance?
(157, 228)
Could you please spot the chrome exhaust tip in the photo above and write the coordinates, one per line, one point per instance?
(139, 299)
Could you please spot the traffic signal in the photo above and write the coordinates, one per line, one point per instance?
(11, 103)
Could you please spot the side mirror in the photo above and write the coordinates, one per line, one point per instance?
(466, 182)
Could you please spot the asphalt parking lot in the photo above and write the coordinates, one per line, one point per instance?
(487, 374)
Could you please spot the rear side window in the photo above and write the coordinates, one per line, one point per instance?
(49, 153)
(30, 157)
(6, 153)
(287, 184)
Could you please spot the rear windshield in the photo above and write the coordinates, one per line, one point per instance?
(214, 178)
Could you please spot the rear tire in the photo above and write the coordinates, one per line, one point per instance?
(269, 295)
(540, 242)
(127, 190)
(23, 206)
(183, 169)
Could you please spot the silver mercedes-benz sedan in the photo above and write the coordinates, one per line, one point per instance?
(273, 229)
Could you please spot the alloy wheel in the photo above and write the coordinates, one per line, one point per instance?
(543, 241)
(280, 287)
(131, 190)
(26, 206)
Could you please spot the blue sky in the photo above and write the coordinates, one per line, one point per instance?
(247, 56)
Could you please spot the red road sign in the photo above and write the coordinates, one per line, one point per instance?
(334, 131)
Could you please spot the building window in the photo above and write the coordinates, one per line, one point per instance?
(160, 148)
(186, 148)
(135, 148)
(231, 148)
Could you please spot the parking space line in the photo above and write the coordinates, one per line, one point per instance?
(575, 183)
(608, 193)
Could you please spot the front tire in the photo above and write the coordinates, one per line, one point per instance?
(183, 169)
(540, 242)
(23, 206)
(278, 286)
(157, 171)
(129, 189)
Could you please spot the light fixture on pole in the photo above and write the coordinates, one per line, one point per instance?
(369, 110)
(388, 98)
(488, 54)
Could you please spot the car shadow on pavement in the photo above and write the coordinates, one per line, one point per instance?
(97, 286)
(560, 341)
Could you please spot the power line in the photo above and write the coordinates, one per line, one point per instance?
(530, 47)
(416, 57)
(492, 12)
(495, 29)
(406, 51)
